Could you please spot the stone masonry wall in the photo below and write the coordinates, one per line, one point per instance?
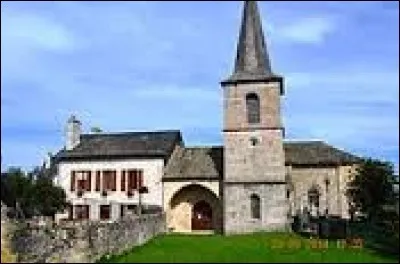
(7, 255)
(274, 208)
(84, 241)
(264, 162)
(334, 197)
(254, 161)
(235, 114)
(245, 161)
(304, 178)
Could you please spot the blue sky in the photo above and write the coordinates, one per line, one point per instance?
(127, 66)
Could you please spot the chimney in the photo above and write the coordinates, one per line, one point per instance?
(73, 133)
(47, 160)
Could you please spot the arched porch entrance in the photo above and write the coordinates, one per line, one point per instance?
(194, 208)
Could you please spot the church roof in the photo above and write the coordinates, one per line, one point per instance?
(207, 162)
(316, 153)
(195, 163)
(252, 59)
(130, 144)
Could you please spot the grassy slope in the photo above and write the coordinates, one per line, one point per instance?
(262, 247)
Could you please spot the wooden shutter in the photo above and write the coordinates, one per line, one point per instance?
(98, 179)
(135, 174)
(140, 179)
(86, 212)
(123, 181)
(105, 183)
(89, 181)
(70, 211)
(130, 180)
(109, 180)
(121, 210)
(73, 181)
(114, 180)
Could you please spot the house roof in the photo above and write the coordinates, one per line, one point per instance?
(130, 144)
(207, 162)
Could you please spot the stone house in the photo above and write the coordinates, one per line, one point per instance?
(256, 180)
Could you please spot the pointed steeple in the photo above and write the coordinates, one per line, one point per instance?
(252, 59)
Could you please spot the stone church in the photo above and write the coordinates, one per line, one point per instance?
(256, 180)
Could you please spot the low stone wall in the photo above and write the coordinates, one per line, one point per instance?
(84, 241)
(7, 255)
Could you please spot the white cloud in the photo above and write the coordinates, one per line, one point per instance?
(168, 92)
(354, 109)
(309, 30)
(34, 31)
(351, 91)
(28, 40)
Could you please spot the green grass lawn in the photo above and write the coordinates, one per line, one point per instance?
(260, 247)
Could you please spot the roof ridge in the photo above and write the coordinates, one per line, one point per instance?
(203, 146)
(130, 133)
(343, 150)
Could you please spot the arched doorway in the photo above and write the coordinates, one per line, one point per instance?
(202, 216)
(193, 208)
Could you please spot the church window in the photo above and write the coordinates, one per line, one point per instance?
(255, 202)
(253, 108)
(313, 197)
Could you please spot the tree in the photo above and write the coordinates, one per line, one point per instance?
(372, 192)
(372, 187)
(31, 194)
(48, 199)
(17, 191)
(41, 173)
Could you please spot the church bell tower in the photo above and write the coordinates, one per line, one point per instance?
(254, 186)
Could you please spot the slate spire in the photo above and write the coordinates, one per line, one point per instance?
(252, 59)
